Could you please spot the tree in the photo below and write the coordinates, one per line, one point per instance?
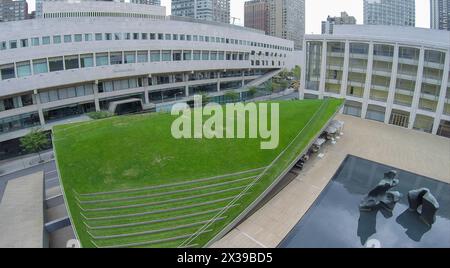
(35, 142)
(297, 72)
(252, 91)
(233, 96)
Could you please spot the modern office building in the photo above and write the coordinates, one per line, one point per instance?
(390, 12)
(287, 20)
(256, 15)
(440, 14)
(210, 10)
(39, 5)
(147, 2)
(328, 25)
(13, 10)
(98, 56)
(396, 75)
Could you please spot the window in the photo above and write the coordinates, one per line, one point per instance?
(23, 68)
(78, 38)
(155, 55)
(168, 36)
(23, 42)
(182, 37)
(7, 71)
(101, 59)
(35, 41)
(98, 37)
(56, 39)
(71, 62)
(108, 36)
(189, 37)
(142, 56)
(160, 36)
(127, 36)
(197, 55)
(205, 55)
(221, 55)
(135, 36)
(86, 60)
(67, 38)
(117, 36)
(144, 36)
(152, 36)
(175, 37)
(213, 55)
(2, 45)
(166, 55)
(13, 44)
(88, 37)
(130, 57)
(187, 55)
(40, 66)
(176, 55)
(56, 64)
(195, 38)
(115, 58)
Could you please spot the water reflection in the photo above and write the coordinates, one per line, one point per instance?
(415, 227)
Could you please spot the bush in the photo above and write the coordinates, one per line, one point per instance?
(100, 115)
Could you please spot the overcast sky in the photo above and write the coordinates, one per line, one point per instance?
(318, 10)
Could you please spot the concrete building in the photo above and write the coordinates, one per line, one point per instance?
(440, 14)
(287, 20)
(13, 10)
(93, 56)
(390, 12)
(328, 25)
(147, 2)
(256, 15)
(210, 10)
(396, 75)
(39, 5)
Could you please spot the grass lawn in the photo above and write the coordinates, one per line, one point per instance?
(129, 183)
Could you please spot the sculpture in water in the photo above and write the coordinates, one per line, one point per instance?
(424, 203)
(381, 196)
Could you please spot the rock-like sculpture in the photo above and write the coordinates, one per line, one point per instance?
(424, 203)
(380, 196)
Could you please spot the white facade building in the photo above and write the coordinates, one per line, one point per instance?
(395, 75)
(390, 12)
(72, 62)
(440, 14)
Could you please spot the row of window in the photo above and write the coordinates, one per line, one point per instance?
(387, 51)
(69, 38)
(38, 66)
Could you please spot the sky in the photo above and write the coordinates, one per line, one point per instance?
(318, 10)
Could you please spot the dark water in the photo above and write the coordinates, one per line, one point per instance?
(334, 220)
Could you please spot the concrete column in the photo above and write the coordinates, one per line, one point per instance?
(442, 94)
(417, 90)
(218, 81)
(392, 85)
(145, 84)
(37, 100)
(243, 79)
(345, 71)
(186, 87)
(96, 100)
(366, 93)
(323, 69)
(303, 73)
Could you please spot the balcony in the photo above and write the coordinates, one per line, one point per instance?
(433, 80)
(359, 56)
(434, 65)
(382, 72)
(383, 58)
(335, 66)
(379, 87)
(336, 54)
(407, 76)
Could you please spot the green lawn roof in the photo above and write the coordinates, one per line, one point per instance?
(129, 183)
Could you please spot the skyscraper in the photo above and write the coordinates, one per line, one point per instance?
(39, 8)
(13, 10)
(390, 12)
(256, 15)
(147, 2)
(287, 20)
(328, 25)
(212, 10)
(440, 14)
